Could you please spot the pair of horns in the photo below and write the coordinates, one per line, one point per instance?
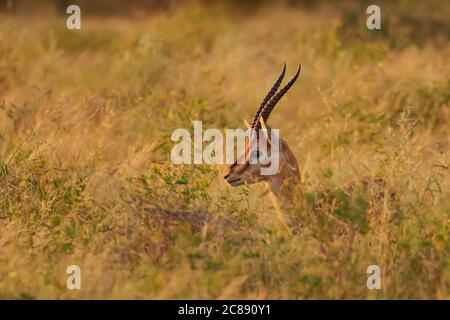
(272, 97)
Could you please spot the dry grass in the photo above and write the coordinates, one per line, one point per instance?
(86, 177)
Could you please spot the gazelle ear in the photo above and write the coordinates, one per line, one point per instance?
(246, 124)
(264, 129)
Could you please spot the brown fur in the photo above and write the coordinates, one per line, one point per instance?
(280, 183)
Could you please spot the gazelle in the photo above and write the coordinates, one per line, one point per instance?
(282, 183)
(244, 171)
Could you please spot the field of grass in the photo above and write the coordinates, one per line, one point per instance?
(86, 178)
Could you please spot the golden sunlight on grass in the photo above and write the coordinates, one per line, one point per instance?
(86, 177)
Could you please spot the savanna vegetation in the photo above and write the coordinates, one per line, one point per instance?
(86, 178)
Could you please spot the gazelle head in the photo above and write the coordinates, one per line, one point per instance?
(250, 164)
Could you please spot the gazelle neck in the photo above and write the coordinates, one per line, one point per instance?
(283, 187)
(284, 182)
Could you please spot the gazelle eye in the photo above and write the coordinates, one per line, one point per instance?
(255, 155)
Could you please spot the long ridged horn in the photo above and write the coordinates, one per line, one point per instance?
(255, 122)
(265, 113)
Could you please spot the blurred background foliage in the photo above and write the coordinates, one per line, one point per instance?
(86, 178)
(420, 22)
